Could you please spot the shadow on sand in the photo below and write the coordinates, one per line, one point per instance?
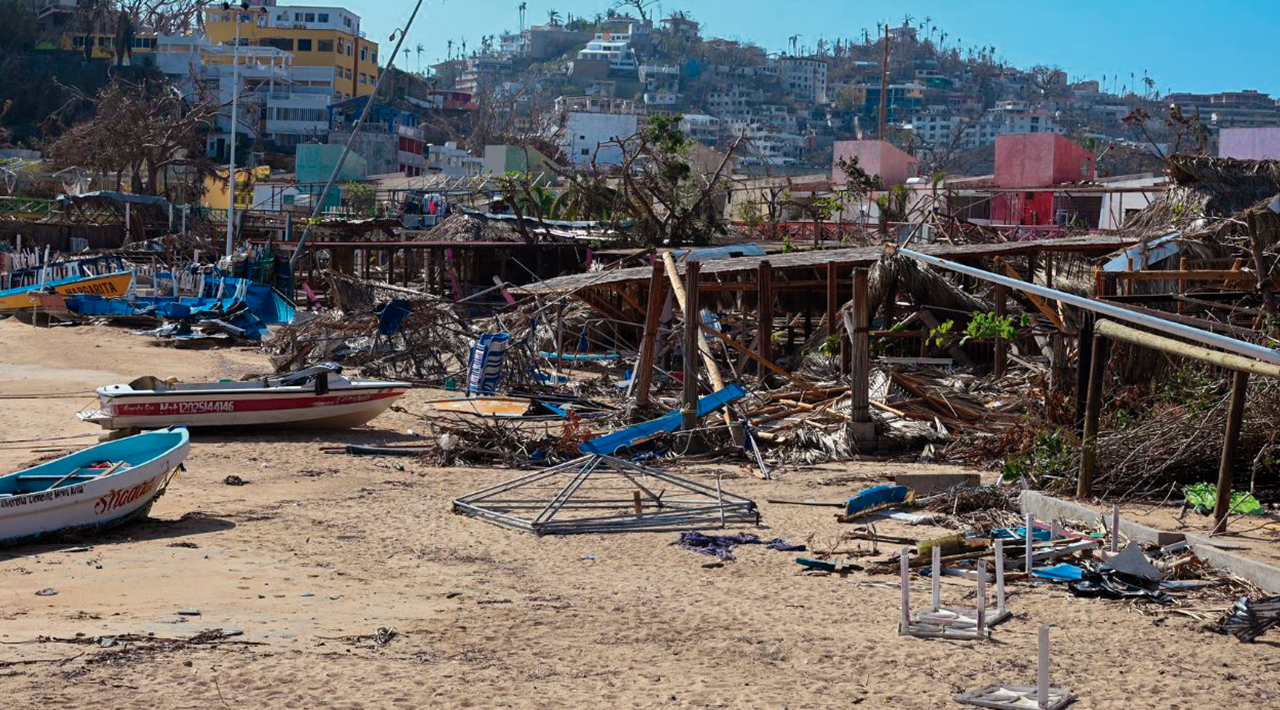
(138, 530)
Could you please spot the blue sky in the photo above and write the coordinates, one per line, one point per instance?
(1185, 45)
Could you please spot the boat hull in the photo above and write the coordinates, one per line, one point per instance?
(110, 285)
(94, 504)
(304, 409)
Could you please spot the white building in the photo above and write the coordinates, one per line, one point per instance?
(299, 17)
(588, 137)
(287, 104)
(452, 162)
(804, 79)
(615, 48)
(940, 130)
(702, 128)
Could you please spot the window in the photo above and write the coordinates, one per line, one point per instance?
(586, 151)
(348, 76)
(349, 49)
(373, 57)
(324, 45)
(304, 45)
(363, 79)
(324, 17)
(364, 54)
(340, 45)
(283, 43)
(311, 17)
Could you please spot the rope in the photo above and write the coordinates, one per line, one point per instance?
(52, 438)
(54, 395)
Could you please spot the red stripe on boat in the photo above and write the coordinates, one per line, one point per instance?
(228, 406)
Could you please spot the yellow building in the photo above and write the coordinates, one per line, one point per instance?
(316, 36)
(104, 45)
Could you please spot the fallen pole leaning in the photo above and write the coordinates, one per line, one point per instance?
(1239, 347)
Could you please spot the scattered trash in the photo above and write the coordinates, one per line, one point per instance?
(1249, 619)
(48, 592)
(234, 480)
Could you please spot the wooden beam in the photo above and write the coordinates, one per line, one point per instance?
(764, 311)
(1230, 361)
(1092, 411)
(689, 306)
(860, 381)
(1235, 416)
(757, 359)
(648, 342)
(1040, 304)
(833, 300)
(687, 297)
(1002, 346)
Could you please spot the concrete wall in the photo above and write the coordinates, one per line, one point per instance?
(1040, 160)
(1250, 143)
(892, 164)
(585, 132)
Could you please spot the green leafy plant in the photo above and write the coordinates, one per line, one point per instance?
(939, 335)
(987, 326)
(830, 347)
(787, 247)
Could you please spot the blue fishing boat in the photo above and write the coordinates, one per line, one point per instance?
(97, 487)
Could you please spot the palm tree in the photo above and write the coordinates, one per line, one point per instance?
(553, 17)
(420, 49)
(464, 47)
(522, 7)
(794, 39)
(450, 45)
(406, 56)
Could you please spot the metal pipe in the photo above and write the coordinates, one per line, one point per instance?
(346, 150)
(1183, 331)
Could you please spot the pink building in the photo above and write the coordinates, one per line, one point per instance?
(1262, 143)
(882, 158)
(1041, 160)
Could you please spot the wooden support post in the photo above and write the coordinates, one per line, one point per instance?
(1093, 407)
(688, 301)
(1182, 283)
(560, 337)
(1084, 350)
(861, 427)
(764, 312)
(648, 342)
(1235, 415)
(1099, 283)
(833, 299)
(1002, 346)
(689, 413)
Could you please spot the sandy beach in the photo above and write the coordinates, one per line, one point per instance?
(304, 564)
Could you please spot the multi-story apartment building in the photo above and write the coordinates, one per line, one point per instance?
(279, 100)
(483, 71)
(594, 104)
(1231, 109)
(327, 37)
(804, 79)
(701, 127)
(595, 137)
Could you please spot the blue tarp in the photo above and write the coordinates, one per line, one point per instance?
(876, 496)
(1059, 573)
(1144, 255)
(609, 443)
(1020, 534)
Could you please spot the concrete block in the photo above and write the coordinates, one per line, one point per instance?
(1260, 573)
(1045, 507)
(927, 484)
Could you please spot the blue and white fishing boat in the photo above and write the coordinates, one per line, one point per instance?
(97, 487)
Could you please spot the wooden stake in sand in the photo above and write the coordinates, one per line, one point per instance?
(1000, 611)
(1031, 522)
(1042, 679)
(936, 577)
(1115, 529)
(905, 564)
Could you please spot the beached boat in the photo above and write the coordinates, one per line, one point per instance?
(18, 299)
(314, 398)
(97, 487)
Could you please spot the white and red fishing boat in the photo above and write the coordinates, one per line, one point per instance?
(314, 398)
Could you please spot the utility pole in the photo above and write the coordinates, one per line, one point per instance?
(884, 86)
(235, 108)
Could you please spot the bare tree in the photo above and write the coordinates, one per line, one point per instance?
(143, 132)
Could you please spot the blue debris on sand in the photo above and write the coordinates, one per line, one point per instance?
(1059, 573)
(876, 496)
(608, 444)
